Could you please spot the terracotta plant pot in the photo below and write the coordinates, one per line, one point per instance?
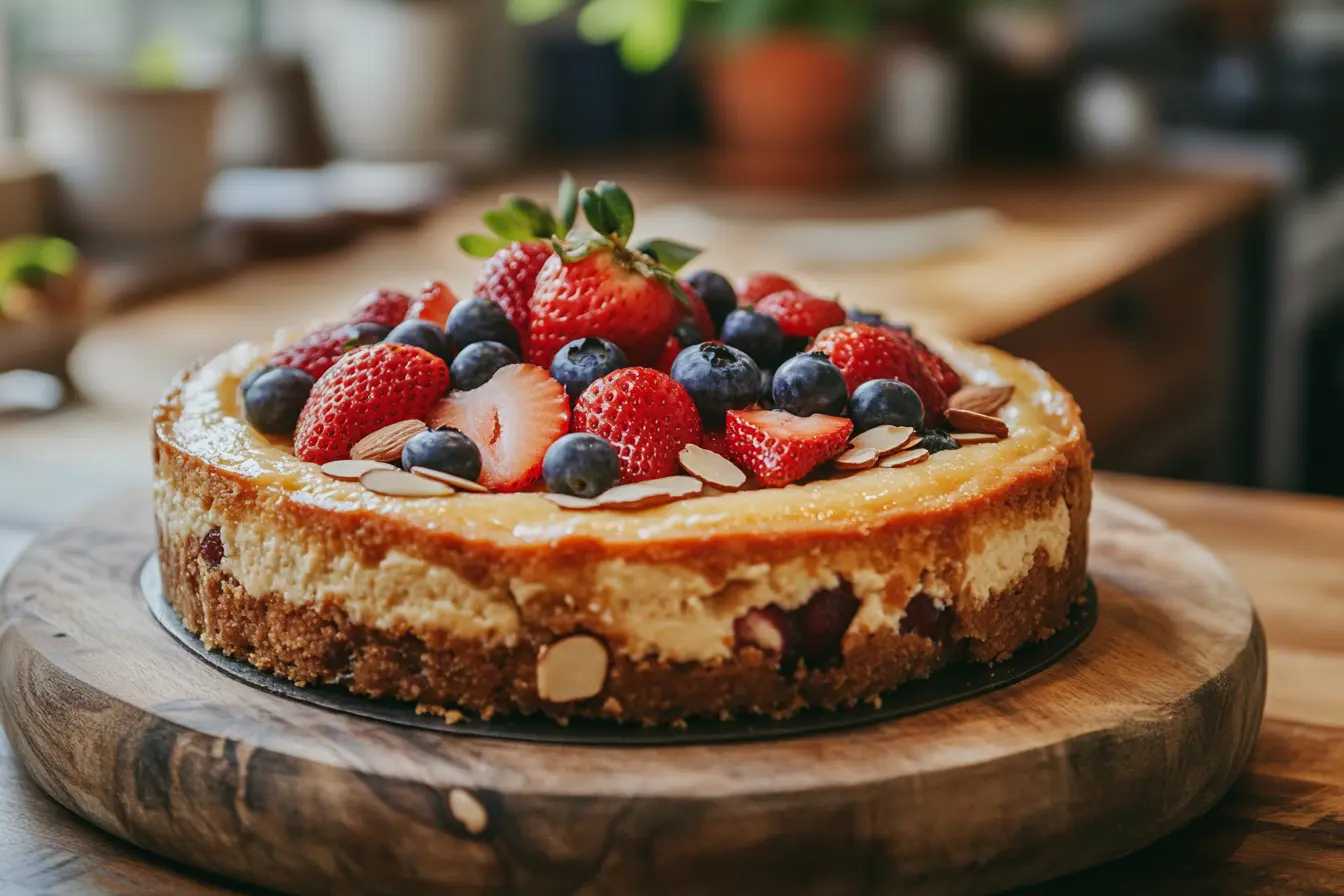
(788, 110)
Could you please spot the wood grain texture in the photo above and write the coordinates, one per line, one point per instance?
(1140, 730)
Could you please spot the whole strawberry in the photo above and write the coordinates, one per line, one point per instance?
(601, 287)
(385, 307)
(316, 352)
(521, 244)
(365, 390)
(800, 315)
(754, 287)
(645, 415)
(433, 304)
(781, 448)
(864, 352)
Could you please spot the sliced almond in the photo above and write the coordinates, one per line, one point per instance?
(457, 482)
(974, 438)
(468, 811)
(981, 399)
(971, 421)
(905, 458)
(574, 668)
(639, 495)
(386, 444)
(571, 502)
(712, 468)
(884, 439)
(913, 443)
(856, 459)
(351, 470)
(396, 484)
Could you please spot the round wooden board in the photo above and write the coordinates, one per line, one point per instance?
(1133, 734)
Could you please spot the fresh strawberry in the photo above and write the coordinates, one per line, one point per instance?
(754, 287)
(669, 355)
(521, 244)
(716, 440)
(801, 315)
(601, 287)
(433, 304)
(699, 313)
(365, 390)
(320, 349)
(647, 417)
(948, 379)
(385, 307)
(512, 419)
(781, 448)
(864, 353)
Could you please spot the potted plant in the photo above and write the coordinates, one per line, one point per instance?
(40, 290)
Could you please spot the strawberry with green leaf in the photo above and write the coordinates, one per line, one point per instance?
(599, 285)
(520, 244)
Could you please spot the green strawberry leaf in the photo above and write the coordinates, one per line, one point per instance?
(596, 211)
(679, 292)
(567, 204)
(540, 222)
(478, 246)
(507, 225)
(670, 254)
(621, 208)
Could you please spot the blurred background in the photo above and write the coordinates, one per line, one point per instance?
(1145, 197)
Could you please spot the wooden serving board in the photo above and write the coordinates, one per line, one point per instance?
(1136, 732)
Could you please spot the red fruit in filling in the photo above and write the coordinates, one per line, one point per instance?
(646, 416)
(212, 548)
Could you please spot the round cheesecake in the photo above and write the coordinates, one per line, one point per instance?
(824, 593)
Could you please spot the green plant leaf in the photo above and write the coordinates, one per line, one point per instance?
(670, 254)
(57, 256)
(507, 225)
(530, 12)
(596, 211)
(478, 246)
(621, 208)
(567, 203)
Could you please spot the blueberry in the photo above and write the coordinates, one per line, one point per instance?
(688, 334)
(445, 450)
(717, 293)
(936, 440)
(475, 364)
(719, 378)
(367, 333)
(874, 320)
(580, 464)
(479, 320)
(583, 362)
(272, 402)
(422, 334)
(810, 384)
(766, 397)
(252, 378)
(885, 402)
(754, 333)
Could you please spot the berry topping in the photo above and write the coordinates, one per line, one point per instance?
(253, 377)
(421, 334)
(512, 419)
(866, 353)
(509, 279)
(754, 333)
(699, 315)
(478, 362)
(717, 294)
(272, 401)
(809, 384)
(581, 464)
(781, 448)
(583, 362)
(645, 415)
(320, 349)
(445, 450)
(688, 334)
(885, 402)
(766, 397)
(801, 315)
(754, 287)
(935, 440)
(479, 320)
(715, 440)
(601, 287)
(364, 391)
(669, 355)
(433, 304)
(386, 307)
(719, 378)
(874, 320)
(948, 379)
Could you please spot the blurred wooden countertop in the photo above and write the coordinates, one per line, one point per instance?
(1279, 832)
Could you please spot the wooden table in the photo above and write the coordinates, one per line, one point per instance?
(1280, 832)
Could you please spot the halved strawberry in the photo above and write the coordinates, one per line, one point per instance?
(646, 416)
(864, 353)
(365, 390)
(512, 419)
(801, 315)
(716, 440)
(385, 306)
(315, 353)
(433, 304)
(947, 378)
(781, 448)
(754, 287)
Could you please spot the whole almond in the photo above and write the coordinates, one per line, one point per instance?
(971, 421)
(385, 445)
(981, 399)
(573, 668)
